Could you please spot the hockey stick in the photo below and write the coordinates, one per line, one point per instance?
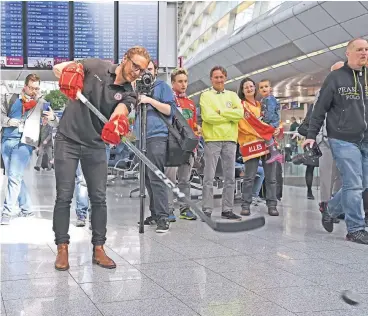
(240, 226)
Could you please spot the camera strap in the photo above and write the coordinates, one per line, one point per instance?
(169, 126)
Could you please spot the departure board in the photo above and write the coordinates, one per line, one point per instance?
(138, 25)
(11, 34)
(47, 33)
(94, 30)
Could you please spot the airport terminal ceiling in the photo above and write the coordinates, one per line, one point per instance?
(294, 45)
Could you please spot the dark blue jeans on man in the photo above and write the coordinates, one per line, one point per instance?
(352, 162)
(81, 192)
(93, 161)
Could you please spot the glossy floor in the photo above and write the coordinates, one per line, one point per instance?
(289, 267)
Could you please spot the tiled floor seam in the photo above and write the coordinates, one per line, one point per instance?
(86, 294)
(246, 288)
(152, 279)
(168, 291)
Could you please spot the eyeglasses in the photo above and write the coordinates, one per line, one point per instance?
(135, 66)
(33, 89)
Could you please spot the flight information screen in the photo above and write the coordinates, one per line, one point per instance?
(138, 25)
(47, 33)
(11, 34)
(94, 30)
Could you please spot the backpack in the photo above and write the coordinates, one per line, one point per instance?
(181, 140)
(12, 100)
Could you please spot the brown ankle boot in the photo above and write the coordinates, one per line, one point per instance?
(100, 258)
(61, 262)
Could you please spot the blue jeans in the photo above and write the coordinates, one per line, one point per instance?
(352, 162)
(81, 192)
(16, 157)
(258, 181)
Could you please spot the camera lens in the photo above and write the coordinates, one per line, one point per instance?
(147, 80)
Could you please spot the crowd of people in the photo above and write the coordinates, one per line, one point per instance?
(232, 124)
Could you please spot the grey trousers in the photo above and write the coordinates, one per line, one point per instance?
(44, 150)
(183, 172)
(212, 152)
(250, 171)
(329, 175)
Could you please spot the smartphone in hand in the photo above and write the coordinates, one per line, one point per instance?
(46, 107)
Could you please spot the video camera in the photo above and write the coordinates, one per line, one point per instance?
(144, 84)
(310, 155)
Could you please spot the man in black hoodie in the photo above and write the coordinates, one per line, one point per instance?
(344, 99)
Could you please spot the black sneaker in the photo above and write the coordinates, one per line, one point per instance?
(323, 207)
(231, 215)
(245, 212)
(341, 216)
(163, 226)
(310, 196)
(149, 221)
(327, 220)
(360, 237)
(37, 168)
(272, 211)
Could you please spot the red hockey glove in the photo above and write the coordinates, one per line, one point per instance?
(71, 80)
(115, 128)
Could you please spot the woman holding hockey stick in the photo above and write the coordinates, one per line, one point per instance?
(81, 137)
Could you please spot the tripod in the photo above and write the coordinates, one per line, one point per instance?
(142, 166)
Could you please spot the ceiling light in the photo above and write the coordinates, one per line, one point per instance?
(317, 52)
(302, 57)
(264, 69)
(280, 64)
(338, 46)
(290, 61)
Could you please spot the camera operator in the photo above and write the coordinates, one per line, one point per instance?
(82, 136)
(344, 97)
(163, 101)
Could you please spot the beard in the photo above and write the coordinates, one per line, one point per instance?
(126, 75)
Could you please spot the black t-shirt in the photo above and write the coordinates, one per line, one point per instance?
(78, 122)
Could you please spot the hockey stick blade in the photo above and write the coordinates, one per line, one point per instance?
(249, 224)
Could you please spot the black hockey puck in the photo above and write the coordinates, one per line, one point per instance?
(350, 297)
